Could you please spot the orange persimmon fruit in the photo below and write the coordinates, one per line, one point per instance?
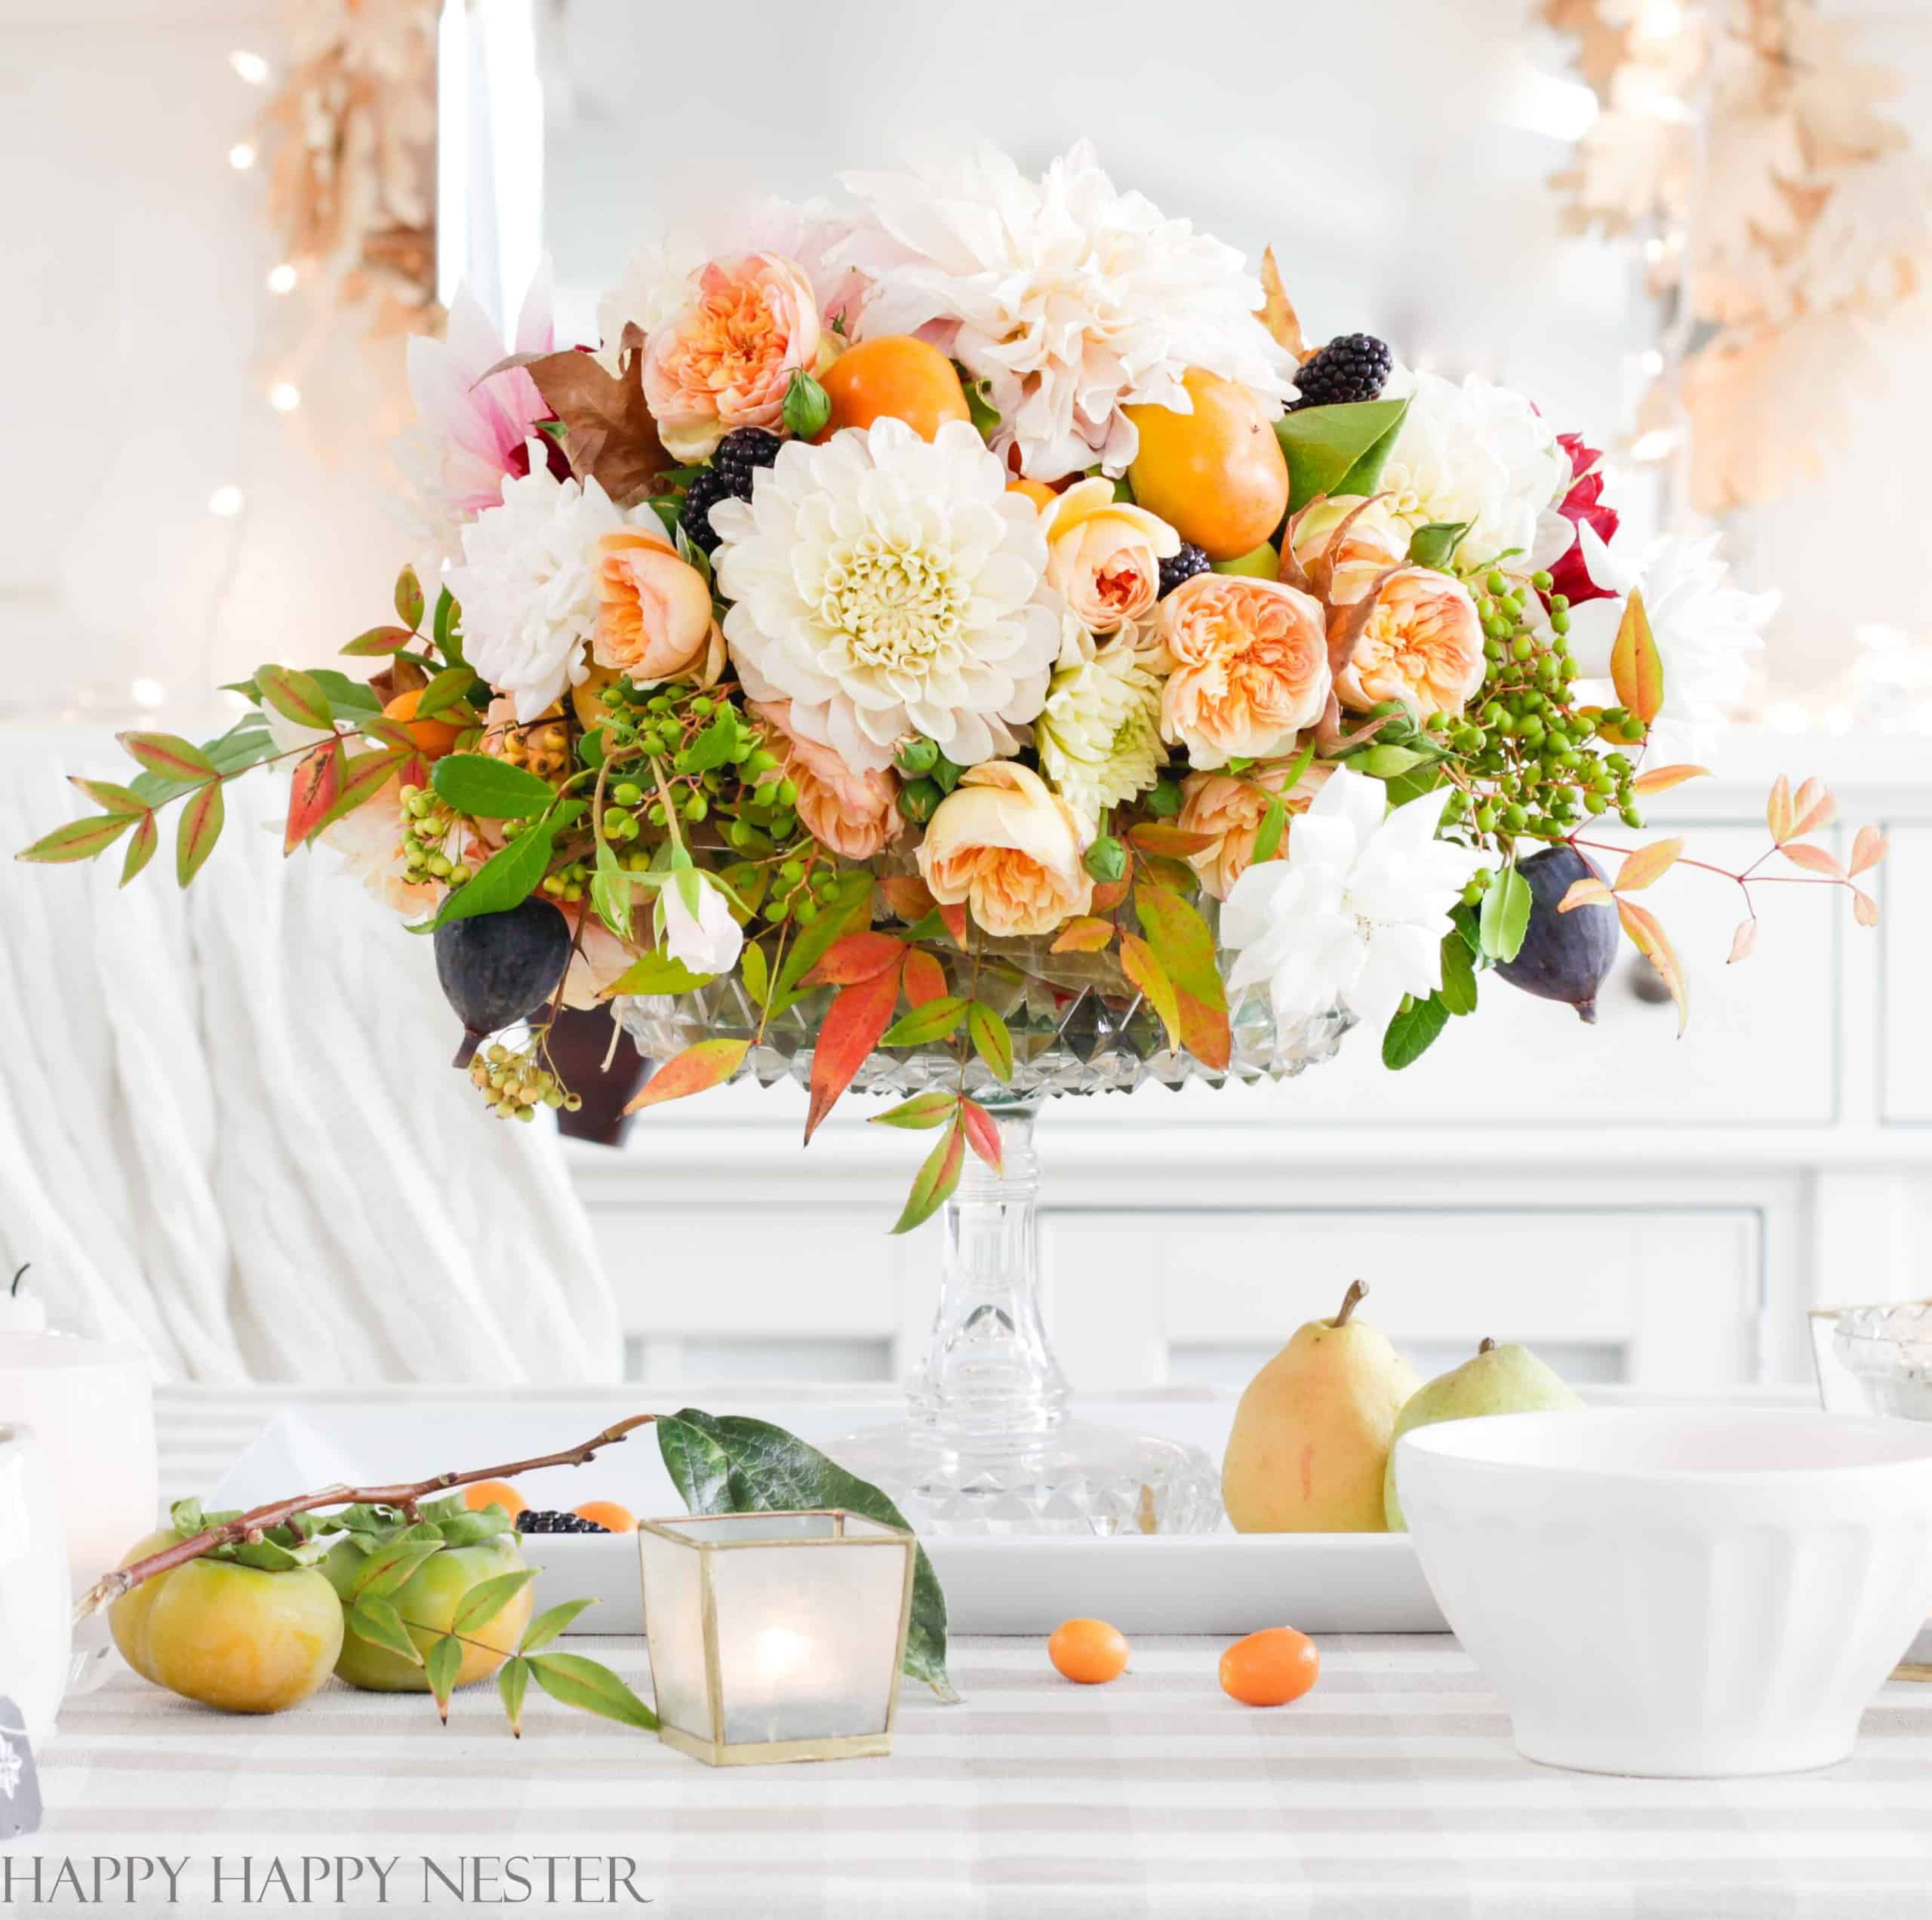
(1088, 1651)
(1217, 475)
(608, 1513)
(479, 1494)
(1038, 491)
(1270, 1668)
(894, 376)
(434, 736)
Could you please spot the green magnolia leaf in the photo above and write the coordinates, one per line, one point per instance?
(771, 1471)
(488, 1599)
(513, 1682)
(992, 1040)
(509, 877)
(1435, 545)
(376, 1621)
(295, 696)
(1338, 450)
(443, 1664)
(658, 972)
(699, 1466)
(80, 839)
(488, 788)
(1412, 1034)
(1459, 975)
(923, 1024)
(1505, 918)
(452, 685)
(388, 1569)
(582, 1683)
(199, 828)
(549, 1624)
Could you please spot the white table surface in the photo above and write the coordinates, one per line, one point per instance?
(1391, 1789)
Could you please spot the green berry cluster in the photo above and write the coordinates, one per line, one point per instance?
(930, 777)
(1532, 755)
(427, 825)
(517, 1083)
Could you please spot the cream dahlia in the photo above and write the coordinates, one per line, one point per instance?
(886, 586)
(527, 584)
(1099, 735)
(1070, 298)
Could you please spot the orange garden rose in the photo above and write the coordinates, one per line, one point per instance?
(1231, 807)
(1250, 667)
(1423, 646)
(1104, 556)
(856, 814)
(1009, 847)
(653, 611)
(726, 360)
(1373, 541)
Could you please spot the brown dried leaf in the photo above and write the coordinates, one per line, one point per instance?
(1744, 942)
(1868, 849)
(1647, 935)
(908, 895)
(1778, 814)
(1813, 860)
(1864, 908)
(1647, 864)
(1278, 314)
(609, 435)
(1661, 779)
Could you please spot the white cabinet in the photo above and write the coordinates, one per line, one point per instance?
(1905, 895)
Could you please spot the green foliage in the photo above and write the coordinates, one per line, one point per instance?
(1505, 917)
(924, 1025)
(1413, 1032)
(509, 877)
(486, 788)
(1338, 450)
(1458, 990)
(992, 1040)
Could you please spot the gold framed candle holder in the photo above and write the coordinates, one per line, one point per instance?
(775, 1636)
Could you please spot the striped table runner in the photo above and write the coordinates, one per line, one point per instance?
(1392, 1790)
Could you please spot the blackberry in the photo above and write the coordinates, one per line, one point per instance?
(740, 455)
(1188, 562)
(533, 1520)
(700, 496)
(1351, 367)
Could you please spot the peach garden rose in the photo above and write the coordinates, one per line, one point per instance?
(1231, 807)
(654, 611)
(1105, 554)
(726, 359)
(1351, 541)
(1423, 646)
(1010, 848)
(1250, 667)
(854, 814)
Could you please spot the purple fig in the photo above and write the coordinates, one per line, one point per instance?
(1564, 956)
(498, 968)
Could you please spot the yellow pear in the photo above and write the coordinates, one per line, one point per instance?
(1312, 1435)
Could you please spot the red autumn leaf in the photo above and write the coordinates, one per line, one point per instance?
(1647, 934)
(925, 978)
(1864, 908)
(849, 1031)
(315, 789)
(1636, 666)
(982, 1133)
(1661, 779)
(709, 1063)
(1778, 814)
(856, 957)
(954, 918)
(908, 895)
(1647, 864)
(1582, 893)
(1868, 849)
(1815, 807)
(1744, 942)
(1813, 860)
(1085, 935)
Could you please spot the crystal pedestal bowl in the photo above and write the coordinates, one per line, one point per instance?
(988, 1445)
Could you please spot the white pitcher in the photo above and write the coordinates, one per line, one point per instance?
(36, 1639)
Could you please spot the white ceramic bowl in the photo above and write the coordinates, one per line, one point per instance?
(1677, 1593)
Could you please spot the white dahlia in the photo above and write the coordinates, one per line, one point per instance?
(1069, 297)
(1100, 733)
(1484, 454)
(528, 586)
(888, 586)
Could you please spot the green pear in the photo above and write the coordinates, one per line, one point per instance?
(1499, 1379)
(1311, 1435)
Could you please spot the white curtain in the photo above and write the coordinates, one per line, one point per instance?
(228, 1126)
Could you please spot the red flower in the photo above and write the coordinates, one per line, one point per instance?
(1584, 501)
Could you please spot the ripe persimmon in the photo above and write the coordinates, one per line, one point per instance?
(434, 736)
(1217, 475)
(894, 376)
(607, 1514)
(479, 1494)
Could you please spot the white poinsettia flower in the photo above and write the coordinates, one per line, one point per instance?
(1069, 297)
(1099, 735)
(1707, 632)
(527, 584)
(1354, 914)
(888, 586)
(706, 939)
(1480, 454)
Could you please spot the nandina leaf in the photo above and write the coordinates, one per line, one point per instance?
(1864, 908)
(1868, 849)
(106, 795)
(488, 1599)
(394, 735)
(955, 917)
(930, 1020)
(365, 776)
(575, 1680)
(1583, 893)
(921, 1111)
(1635, 665)
(1744, 942)
(1778, 815)
(982, 1133)
(1647, 864)
(1816, 806)
(848, 910)
(1813, 860)
(512, 1681)
(378, 1622)
(934, 1184)
(1138, 963)
(315, 789)
(408, 598)
(167, 756)
(1277, 312)
(1650, 939)
(297, 697)
(908, 897)
(1154, 837)
(849, 1031)
(1181, 942)
(379, 640)
(550, 1623)
(447, 689)
(1661, 779)
(78, 840)
(1085, 935)
(710, 1064)
(857, 957)
(924, 977)
(201, 825)
(141, 848)
(992, 1040)
(445, 1663)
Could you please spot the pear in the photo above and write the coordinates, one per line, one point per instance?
(1499, 1379)
(1311, 1435)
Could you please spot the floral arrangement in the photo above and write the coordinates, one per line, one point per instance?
(982, 570)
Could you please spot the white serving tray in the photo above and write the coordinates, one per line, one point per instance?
(1222, 1582)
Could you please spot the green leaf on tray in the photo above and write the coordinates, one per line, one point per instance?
(1338, 450)
(765, 1469)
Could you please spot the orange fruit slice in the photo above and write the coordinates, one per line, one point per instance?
(894, 377)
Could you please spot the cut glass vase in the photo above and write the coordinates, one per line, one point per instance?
(988, 1445)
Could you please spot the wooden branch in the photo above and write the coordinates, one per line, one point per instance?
(251, 1525)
